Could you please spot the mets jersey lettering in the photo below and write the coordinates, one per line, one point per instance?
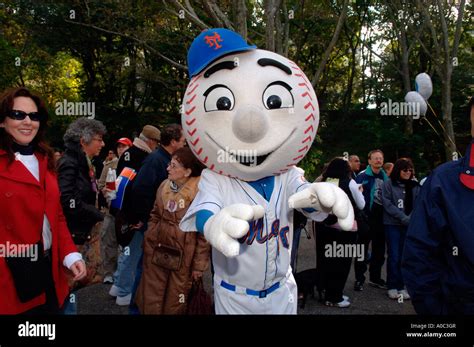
(256, 233)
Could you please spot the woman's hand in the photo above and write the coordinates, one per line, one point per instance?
(196, 275)
(79, 270)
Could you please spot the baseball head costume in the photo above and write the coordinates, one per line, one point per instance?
(250, 116)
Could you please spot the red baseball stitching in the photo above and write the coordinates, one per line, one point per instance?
(191, 121)
(302, 76)
(303, 148)
(308, 105)
(310, 127)
(310, 116)
(195, 141)
(191, 133)
(190, 111)
(194, 80)
(192, 91)
(191, 100)
(304, 85)
(307, 94)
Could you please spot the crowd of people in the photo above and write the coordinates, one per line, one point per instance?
(50, 201)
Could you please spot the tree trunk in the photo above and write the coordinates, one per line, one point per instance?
(350, 82)
(335, 36)
(406, 78)
(271, 8)
(446, 107)
(240, 17)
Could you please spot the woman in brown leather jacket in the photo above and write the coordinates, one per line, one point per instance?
(172, 258)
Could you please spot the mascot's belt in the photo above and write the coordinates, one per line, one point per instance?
(259, 293)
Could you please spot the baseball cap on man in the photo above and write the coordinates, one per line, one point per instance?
(212, 44)
(125, 141)
(151, 132)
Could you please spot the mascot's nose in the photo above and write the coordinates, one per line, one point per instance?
(250, 124)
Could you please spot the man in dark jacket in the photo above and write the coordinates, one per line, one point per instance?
(154, 172)
(438, 258)
(134, 158)
(372, 180)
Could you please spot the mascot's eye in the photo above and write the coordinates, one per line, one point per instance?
(273, 101)
(223, 103)
(218, 98)
(278, 95)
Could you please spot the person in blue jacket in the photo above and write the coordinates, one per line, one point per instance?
(438, 258)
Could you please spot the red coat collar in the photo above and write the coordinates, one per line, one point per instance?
(16, 171)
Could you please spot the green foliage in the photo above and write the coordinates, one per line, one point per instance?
(113, 53)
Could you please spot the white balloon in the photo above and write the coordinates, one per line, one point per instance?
(418, 103)
(423, 85)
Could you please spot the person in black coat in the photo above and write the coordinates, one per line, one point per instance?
(134, 158)
(78, 185)
(77, 178)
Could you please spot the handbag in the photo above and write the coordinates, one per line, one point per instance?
(123, 231)
(199, 301)
(167, 257)
(29, 274)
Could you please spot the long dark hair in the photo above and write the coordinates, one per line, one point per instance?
(401, 164)
(337, 168)
(6, 140)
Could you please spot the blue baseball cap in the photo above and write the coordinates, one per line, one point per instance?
(212, 44)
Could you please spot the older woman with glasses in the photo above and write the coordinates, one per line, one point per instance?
(77, 179)
(172, 258)
(33, 271)
(78, 184)
(398, 196)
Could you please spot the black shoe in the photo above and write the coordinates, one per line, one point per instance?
(359, 286)
(380, 283)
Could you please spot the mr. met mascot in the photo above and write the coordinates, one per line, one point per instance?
(250, 116)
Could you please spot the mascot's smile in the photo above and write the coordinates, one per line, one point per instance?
(248, 158)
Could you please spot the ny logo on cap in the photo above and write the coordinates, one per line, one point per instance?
(213, 41)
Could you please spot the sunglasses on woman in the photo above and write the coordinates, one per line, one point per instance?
(20, 115)
(407, 170)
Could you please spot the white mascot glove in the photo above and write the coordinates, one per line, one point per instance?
(328, 198)
(229, 224)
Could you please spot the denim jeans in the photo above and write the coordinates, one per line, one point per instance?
(70, 304)
(133, 308)
(395, 235)
(128, 260)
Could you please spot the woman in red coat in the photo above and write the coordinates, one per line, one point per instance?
(36, 249)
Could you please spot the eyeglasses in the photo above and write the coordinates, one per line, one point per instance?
(174, 166)
(98, 139)
(20, 115)
(407, 170)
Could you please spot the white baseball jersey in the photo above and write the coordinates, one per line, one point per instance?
(264, 257)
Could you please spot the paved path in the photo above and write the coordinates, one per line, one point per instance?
(371, 301)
